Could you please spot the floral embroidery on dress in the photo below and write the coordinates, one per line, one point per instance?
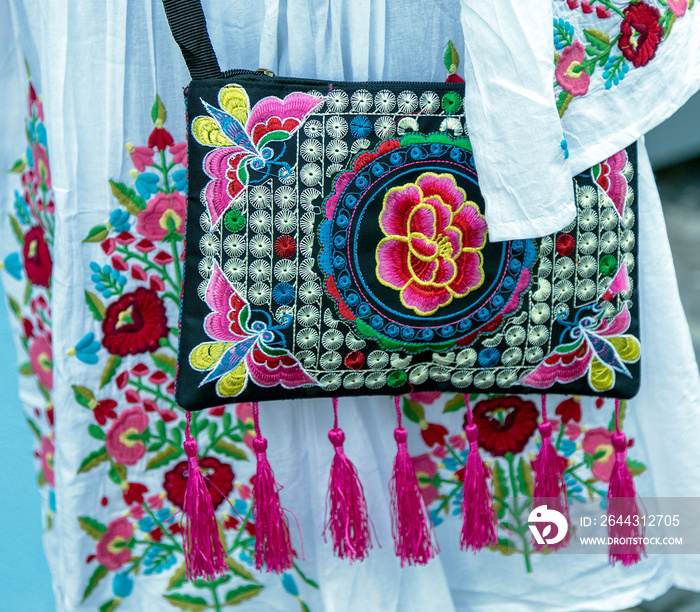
(137, 430)
(582, 51)
(28, 286)
(509, 440)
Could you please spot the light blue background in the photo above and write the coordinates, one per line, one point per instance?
(25, 583)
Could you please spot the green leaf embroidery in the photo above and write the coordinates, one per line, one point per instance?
(127, 197)
(230, 450)
(165, 363)
(84, 396)
(16, 230)
(97, 308)
(451, 58)
(34, 429)
(163, 457)
(526, 483)
(455, 403)
(500, 488)
(26, 369)
(187, 602)
(110, 606)
(239, 570)
(99, 573)
(93, 460)
(303, 576)
(117, 473)
(97, 233)
(93, 528)
(598, 39)
(178, 578)
(242, 593)
(96, 432)
(413, 410)
(110, 370)
(158, 111)
(636, 467)
(14, 307)
(18, 166)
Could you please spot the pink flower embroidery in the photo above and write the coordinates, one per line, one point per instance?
(140, 156)
(41, 360)
(426, 469)
(678, 7)
(164, 213)
(599, 440)
(123, 442)
(113, 549)
(434, 235)
(569, 71)
(47, 452)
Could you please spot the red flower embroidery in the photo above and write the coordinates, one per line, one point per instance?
(113, 549)
(133, 493)
(160, 138)
(124, 442)
(433, 433)
(134, 323)
(569, 410)
(355, 360)
(505, 424)
(37, 257)
(105, 410)
(640, 33)
(598, 441)
(218, 477)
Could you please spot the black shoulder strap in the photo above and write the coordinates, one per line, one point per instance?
(189, 29)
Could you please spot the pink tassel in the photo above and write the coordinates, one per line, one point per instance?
(411, 525)
(273, 546)
(347, 517)
(550, 484)
(204, 553)
(628, 538)
(479, 517)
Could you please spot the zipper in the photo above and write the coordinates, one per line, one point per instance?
(264, 74)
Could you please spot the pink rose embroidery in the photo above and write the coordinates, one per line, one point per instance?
(47, 452)
(41, 360)
(123, 442)
(599, 440)
(569, 71)
(113, 549)
(678, 7)
(164, 213)
(432, 249)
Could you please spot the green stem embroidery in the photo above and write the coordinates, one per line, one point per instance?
(522, 529)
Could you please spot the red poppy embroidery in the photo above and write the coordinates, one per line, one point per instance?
(640, 33)
(37, 257)
(218, 477)
(135, 323)
(505, 424)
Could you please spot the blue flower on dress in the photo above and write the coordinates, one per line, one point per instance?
(180, 179)
(289, 585)
(86, 349)
(147, 184)
(13, 265)
(489, 357)
(122, 585)
(119, 220)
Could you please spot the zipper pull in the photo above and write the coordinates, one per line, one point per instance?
(266, 72)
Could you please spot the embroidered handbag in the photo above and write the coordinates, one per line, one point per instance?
(336, 245)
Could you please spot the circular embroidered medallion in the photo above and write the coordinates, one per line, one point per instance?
(404, 248)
